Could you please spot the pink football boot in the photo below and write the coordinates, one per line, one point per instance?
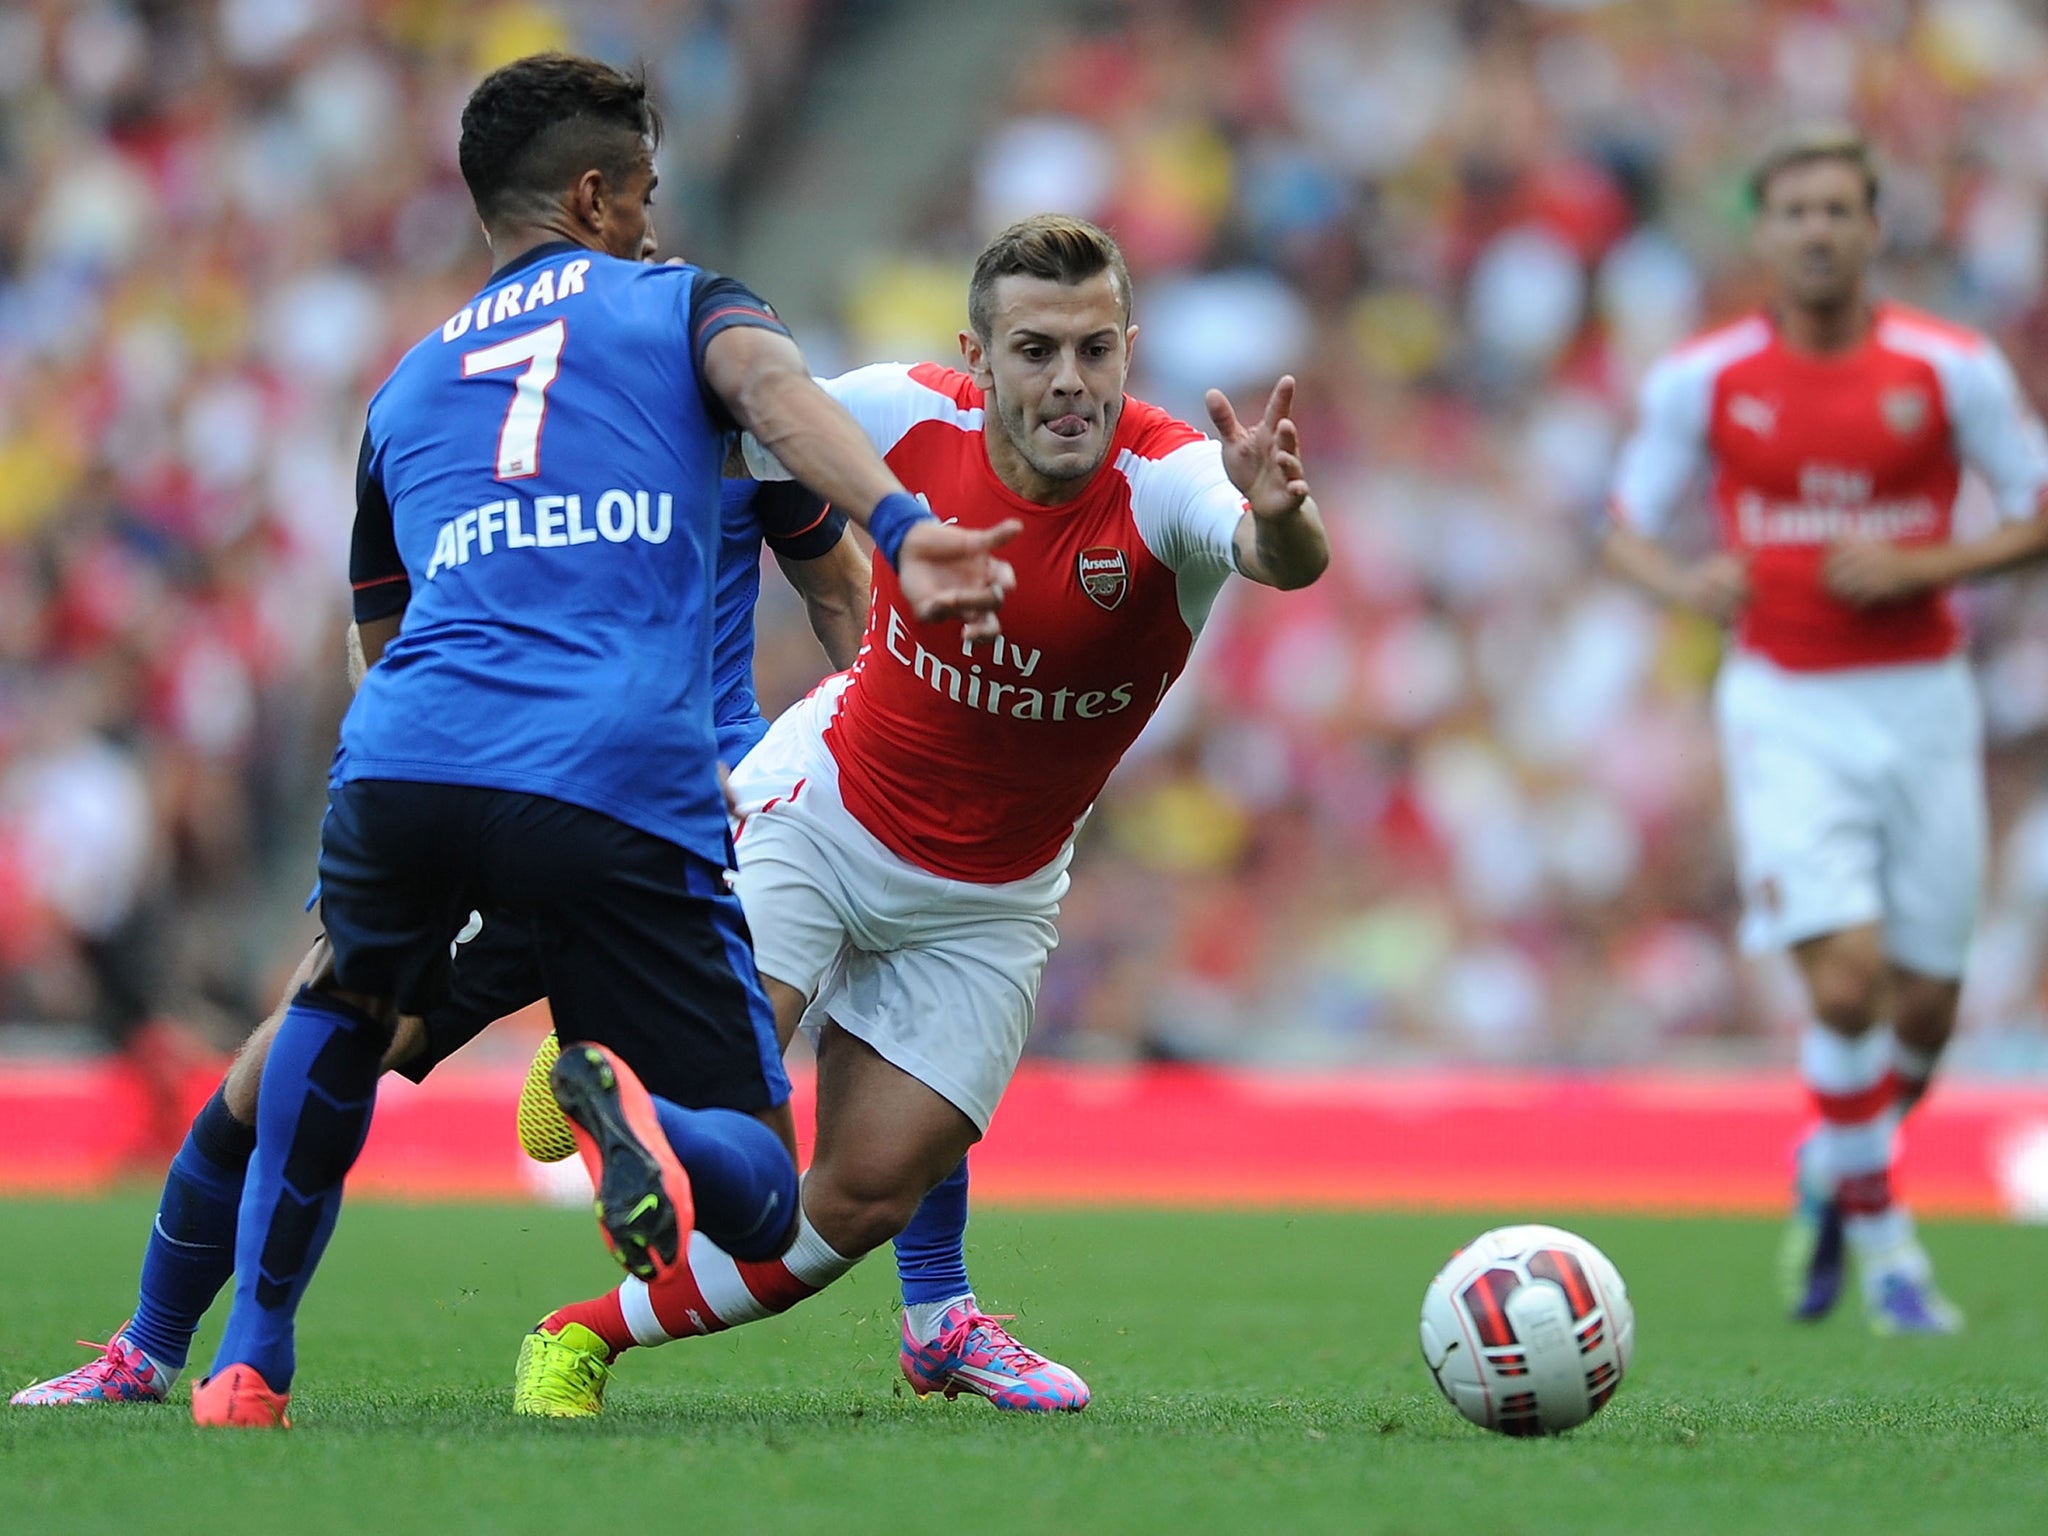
(975, 1353)
(121, 1374)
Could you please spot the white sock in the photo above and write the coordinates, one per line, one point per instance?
(813, 1260)
(923, 1317)
(1887, 1244)
(169, 1373)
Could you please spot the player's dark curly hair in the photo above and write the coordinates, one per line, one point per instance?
(535, 125)
(1054, 246)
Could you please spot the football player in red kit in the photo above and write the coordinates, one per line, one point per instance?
(1837, 428)
(907, 829)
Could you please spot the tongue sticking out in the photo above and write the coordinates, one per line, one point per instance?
(1068, 426)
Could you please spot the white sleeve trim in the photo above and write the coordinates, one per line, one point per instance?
(1186, 509)
(1667, 453)
(886, 401)
(1996, 431)
(1187, 512)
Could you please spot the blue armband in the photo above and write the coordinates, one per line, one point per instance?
(893, 518)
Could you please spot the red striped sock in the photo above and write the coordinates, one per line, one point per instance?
(1856, 1091)
(683, 1309)
(712, 1291)
(601, 1315)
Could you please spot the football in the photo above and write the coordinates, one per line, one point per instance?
(1527, 1330)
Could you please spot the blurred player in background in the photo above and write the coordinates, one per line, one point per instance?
(191, 1249)
(907, 828)
(1837, 428)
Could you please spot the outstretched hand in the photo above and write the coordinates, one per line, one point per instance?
(950, 572)
(1264, 459)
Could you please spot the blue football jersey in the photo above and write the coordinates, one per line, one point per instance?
(546, 468)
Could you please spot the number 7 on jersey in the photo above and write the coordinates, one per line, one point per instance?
(519, 437)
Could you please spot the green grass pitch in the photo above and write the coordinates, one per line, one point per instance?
(1252, 1372)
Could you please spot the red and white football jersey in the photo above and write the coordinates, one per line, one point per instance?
(1807, 451)
(977, 764)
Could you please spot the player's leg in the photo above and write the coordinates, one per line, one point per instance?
(1936, 842)
(810, 898)
(906, 1081)
(883, 1140)
(1845, 1061)
(565, 1362)
(1848, 1065)
(1805, 810)
(672, 1068)
(1923, 1020)
(931, 1257)
(190, 1253)
(189, 1257)
(395, 891)
(931, 1262)
(894, 1143)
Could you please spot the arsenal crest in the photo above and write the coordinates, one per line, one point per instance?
(1105, 574)
(1754, 414)
(1904, 410)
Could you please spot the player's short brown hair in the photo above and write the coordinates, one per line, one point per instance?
(1802, 146)
(1054, 246)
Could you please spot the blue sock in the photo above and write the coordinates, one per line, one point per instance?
(191, 1252)
(741, 1177)
(931, 1253)
(314, 1111)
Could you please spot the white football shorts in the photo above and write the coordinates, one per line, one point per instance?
(1857, 796)
(940, 976)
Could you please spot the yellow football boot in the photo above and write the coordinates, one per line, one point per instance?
(560, 1375)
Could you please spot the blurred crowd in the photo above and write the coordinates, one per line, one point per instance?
(1459, 800)
(1462, 797)
(220, 224)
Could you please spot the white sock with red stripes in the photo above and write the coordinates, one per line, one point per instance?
(1856, 1091)
(713, 1291)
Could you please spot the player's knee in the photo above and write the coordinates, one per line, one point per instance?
(1845, 975)
(859, 1209)
(1846, 995)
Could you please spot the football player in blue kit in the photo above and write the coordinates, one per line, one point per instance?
(191, 1246)
(534, 734)
(189, 1255)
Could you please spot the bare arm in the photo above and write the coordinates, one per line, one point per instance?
(366, 642)
(1280, 541)
(1716, 587)
(761, 377)
(835, 589)
(947, 572)
(1869, 574)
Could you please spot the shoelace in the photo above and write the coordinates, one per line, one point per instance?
(1007, 1348)
(110, 1353)
(583, 1369)
(110, 1350)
